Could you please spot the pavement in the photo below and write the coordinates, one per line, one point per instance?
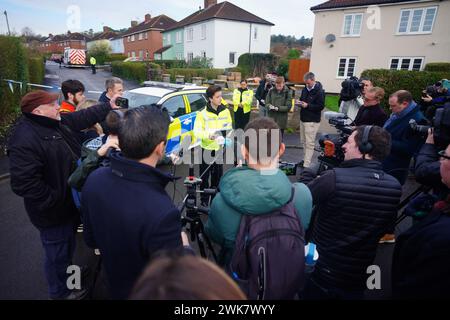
(21, 254)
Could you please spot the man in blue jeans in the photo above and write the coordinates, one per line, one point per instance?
(43, 151)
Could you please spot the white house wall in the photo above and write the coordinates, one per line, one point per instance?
(234, 36)
(198, 45)
(117, 46)
(373, 49)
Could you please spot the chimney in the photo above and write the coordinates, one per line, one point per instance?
(148, 17)
(210, 3)
(106, 29)
(134, 23)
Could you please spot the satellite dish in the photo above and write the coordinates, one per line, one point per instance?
(330, 38)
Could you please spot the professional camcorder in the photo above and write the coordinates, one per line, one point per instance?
(332, 153)
(440, 125)
(351, 89)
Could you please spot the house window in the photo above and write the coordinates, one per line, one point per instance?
(346, 67)
(232, 57)
(179, 56)
(168, 39)
(178, 37)
(190, 34)
(141, 54)
(190, 56)
(140, 36)
(132, 38)
(129, 54)
(133, 54)
(255, 33)
(406, 63)
(203, 31)
(203, 54)
(146, 35)
(352, 25)
(416, 21)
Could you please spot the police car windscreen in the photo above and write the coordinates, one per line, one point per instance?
(136, 99)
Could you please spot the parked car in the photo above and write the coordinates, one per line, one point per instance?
(181, 101)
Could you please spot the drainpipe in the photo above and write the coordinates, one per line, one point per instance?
(250, 40)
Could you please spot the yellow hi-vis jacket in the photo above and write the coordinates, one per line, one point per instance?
(93, 61)
(247, 99)
(208, 122)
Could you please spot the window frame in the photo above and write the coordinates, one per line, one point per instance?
(178, 37)
(234, 57)
(422, 21)
(190, 56)
(347, 62)
(411, 63)
(190, 32)
(352, 25)
(203, 32)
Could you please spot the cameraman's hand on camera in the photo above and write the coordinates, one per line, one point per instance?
(112, 102)
(111, 142)
(428, 98)
(430, 138)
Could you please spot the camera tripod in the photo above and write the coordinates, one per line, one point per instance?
(191, 220)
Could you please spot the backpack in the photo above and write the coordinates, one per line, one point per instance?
(351, 89)
(269, 256)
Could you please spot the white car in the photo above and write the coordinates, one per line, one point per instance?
(181, 101)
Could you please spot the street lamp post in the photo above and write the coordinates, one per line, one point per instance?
(7, 22)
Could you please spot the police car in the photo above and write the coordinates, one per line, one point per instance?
(181, 101)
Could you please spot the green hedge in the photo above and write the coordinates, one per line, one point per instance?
(257, 64)
(438, 67)
(36, 69)
(413, 81)
(116, 57)
(13, 66)
(189, 73)
(130, 70)
(171, 64)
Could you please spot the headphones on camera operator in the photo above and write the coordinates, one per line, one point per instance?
(366, 147)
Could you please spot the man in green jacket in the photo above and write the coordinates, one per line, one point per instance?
(279, 102)
(257, 188)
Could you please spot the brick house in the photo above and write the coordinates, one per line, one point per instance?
(56, 44)
(144, 39)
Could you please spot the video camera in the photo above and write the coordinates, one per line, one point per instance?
(351, 89)
(440, 125)
(332, 153)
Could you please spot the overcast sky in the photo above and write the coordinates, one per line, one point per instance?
(291, 17)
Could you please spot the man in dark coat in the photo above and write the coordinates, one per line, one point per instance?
(127, 213)
(421, 262)
(312, 102)
(43, 151)
(371, 113)
(405, 142)
(355, 203)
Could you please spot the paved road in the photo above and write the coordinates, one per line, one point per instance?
(94, 84)
(21, 254)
